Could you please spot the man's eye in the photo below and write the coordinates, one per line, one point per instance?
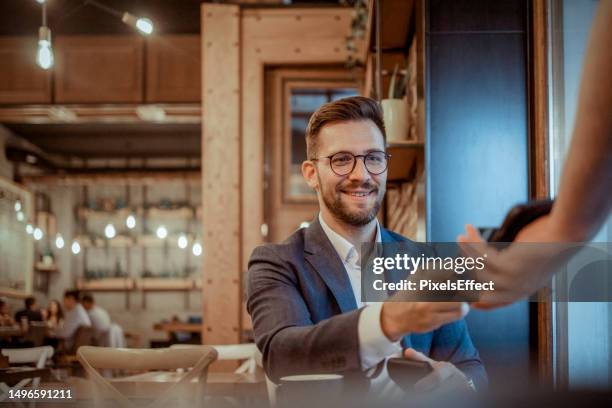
(342, 160)
(374, 159)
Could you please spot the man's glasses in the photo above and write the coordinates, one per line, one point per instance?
(343, 163)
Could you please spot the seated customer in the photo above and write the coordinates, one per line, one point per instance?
(74, 317)
(31, 312)
(5, 314)
(100, 320)
(304, 295)
(54, 315)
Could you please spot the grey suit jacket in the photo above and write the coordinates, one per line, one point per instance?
(305, 317)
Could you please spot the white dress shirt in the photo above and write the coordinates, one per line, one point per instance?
(374, 346)
(73, 319)
(101, 323)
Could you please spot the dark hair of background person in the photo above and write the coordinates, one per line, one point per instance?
(60, 312)
(29, 302)
(72, 293)
(87, 298)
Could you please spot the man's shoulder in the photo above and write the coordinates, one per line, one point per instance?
(290, 249)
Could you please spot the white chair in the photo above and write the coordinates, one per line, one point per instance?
(247, 352)
(32, 355)
(101, 358)
(253, 359)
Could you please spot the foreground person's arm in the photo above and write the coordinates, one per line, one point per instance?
(583, 203)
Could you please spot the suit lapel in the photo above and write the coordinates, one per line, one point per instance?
(320, 253)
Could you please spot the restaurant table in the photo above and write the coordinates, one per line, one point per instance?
(12, 375)
(10, 331)
(178, 327)
(217, 384)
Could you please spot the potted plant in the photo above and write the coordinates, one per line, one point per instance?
(395, 107)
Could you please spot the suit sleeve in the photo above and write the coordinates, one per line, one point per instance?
(283, 328)
(452, 343)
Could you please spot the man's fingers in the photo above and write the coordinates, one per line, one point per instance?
(412, 354)
(450, 306)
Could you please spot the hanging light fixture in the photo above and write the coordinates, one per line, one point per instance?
(29, 229)
(130, 221)
(161, 232)
(109, 231)
(197, 249)
(20, 216)
(142, 24)
(17, 206)
(182, 241)
(59, 241)
(38, 234)
(76, 247)
(44, 55)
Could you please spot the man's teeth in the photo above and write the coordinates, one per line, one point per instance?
(360, 194)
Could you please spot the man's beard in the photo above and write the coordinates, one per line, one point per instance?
(357, 218)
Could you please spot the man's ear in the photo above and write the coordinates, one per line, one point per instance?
(310, 174)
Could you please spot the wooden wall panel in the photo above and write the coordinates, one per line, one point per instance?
(221, 163)
(99, 69)
(173, 68)
(21, 80)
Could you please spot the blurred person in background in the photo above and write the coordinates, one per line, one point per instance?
(106, 332)
(54, 316)
(31, 312)
(75, 317)
(5, 314)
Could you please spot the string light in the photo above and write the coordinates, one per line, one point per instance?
(17, 206)
(59, 241)
(76, 247)
(130, 221)
(29, 229)
(197, 249)
(142, 24)
(161, 232)
(182, 241)
(38, 234)
(109, 231)
(20, 216)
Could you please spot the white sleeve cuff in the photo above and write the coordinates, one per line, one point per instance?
(374, 346)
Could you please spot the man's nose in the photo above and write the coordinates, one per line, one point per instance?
(360, 172)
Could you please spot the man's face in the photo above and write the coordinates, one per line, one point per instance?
(87, 305)
(69, 302)
(354, 198)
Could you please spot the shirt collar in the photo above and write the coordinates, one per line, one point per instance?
(342, 246)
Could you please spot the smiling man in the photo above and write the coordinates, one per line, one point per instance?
(304, 295)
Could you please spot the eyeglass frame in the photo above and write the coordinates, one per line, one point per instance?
(355, 157)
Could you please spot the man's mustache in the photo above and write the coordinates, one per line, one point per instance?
(364, 186)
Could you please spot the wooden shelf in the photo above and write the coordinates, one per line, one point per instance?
(144, 284)
(175, 213)
(122, 241)
(85, 212)
(151, 213)
(165, 284)
(406, 163)
(106, 284)
(41, 267)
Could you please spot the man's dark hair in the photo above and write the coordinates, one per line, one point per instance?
(72, 294)
(354, 108)
(30, 301)
(87, 298)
